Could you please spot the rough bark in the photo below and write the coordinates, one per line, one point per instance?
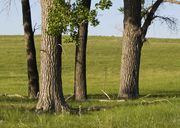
(80, 85)
(131, 50)
(51, 94)
(33, 78)
(133, 38)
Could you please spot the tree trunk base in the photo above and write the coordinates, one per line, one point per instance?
(46, 106)
(126, 96)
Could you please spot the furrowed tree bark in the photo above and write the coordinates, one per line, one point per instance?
(80, 85)
(51, 94)
(131, 50)
(33, 77)
(133, 39)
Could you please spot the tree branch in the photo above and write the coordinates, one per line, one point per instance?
(6, 5)
(36, 27)
(170, 21)
(149, 18)
(145, 11)
(172, 1)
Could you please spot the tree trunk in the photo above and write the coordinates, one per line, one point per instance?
(80, 85)
(33, 78)
(51, 94)
(131, 50)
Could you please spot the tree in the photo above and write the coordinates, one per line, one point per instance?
(80, 87)
(73, 18)
(133, 39)
(131, 47)
(80, 84)
(51, 94)
(33, 77)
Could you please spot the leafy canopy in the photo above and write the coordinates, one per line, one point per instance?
(66, 17)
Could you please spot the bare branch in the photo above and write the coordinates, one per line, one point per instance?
(170, 21)
(69, 97)
(172, 1)
(13, 95)
(6, 5)
(36, 27)
(149, 18)
(145, 11)
(106, 94)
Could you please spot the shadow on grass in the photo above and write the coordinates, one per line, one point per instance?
(93, 104)
(14, 107)
(22, 104)
(156, 94)
(12, 99)
(103, 96)
(162, 94)
(155, 98)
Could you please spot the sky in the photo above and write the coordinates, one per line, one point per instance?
(111, 21)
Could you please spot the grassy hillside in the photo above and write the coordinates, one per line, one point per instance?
(159, 83)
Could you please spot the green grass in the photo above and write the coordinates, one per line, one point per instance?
(159, 79)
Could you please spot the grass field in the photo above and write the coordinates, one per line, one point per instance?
(158, 106)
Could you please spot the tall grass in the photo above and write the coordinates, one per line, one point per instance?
(159, 86)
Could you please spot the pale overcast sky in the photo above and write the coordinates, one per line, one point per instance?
(111, 21)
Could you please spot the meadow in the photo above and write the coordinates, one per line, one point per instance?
(157, 107)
